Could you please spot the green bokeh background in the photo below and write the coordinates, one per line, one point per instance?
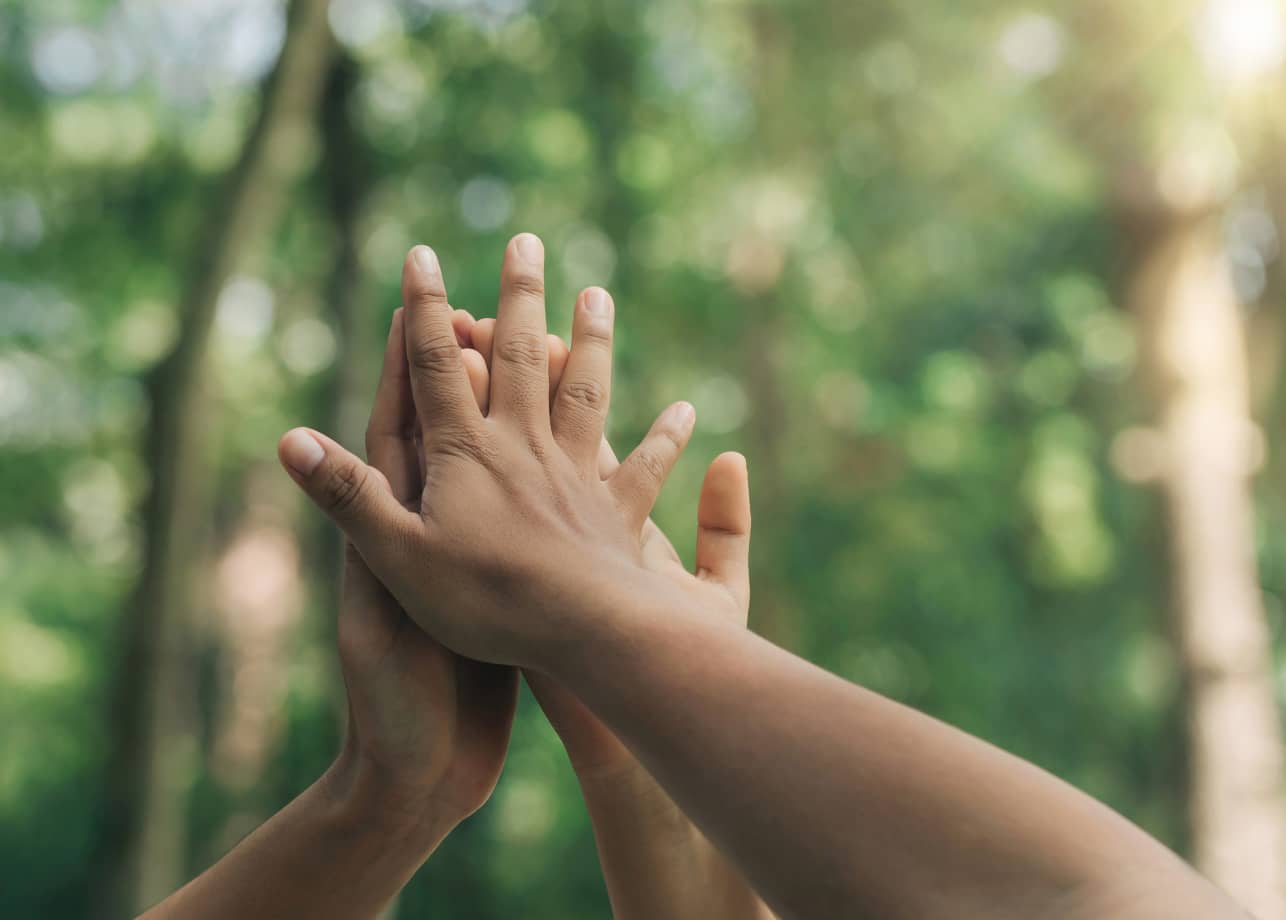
(874, 243)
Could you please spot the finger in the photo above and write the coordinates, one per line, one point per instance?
(355, 496)
(654, 540)
(607, 462)
(723, 527)
(368, 613)
(639, 480)
(462, 323)
(479, 377)
(390, 443)
(364, 595)
(483, 335)
(557, 362)
(580, 407)
(519, 352)
(439, 386)
(658, 551)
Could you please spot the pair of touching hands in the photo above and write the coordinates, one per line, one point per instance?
(490, 531)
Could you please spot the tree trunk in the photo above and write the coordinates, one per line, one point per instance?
(1196, 362)
(758, 263)
(1196, 358)
(346, 173)
(140, 852)
(775, 616)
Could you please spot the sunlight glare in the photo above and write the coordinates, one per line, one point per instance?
(1241, 40)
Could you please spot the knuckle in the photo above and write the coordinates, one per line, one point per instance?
(434, 356)
(427, 292)
(462, 443)
(584, 393)
(527, 285)
(652, 465)
(523, 349)
(344, 487)
(672, 439)
(539, 449)
(596, 333)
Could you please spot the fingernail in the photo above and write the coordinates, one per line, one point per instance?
(302, 452)
(530, 248)
(684, 415)
(426, 259)
(597, 302)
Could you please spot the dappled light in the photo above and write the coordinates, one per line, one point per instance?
(991, 296)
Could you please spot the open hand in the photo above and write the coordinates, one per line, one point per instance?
(723, 548)
(655, 861)
(517, 541)
(429, 727)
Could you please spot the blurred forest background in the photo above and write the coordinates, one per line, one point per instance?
(989, 293)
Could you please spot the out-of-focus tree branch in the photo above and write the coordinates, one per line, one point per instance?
(140, 854)
(1170, 194)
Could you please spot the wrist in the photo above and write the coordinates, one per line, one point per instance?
(604, 605)
(361, 799)
(624, 622)
(628, 790)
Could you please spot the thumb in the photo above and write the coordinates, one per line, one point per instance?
(353, 495)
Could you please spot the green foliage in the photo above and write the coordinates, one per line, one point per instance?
(866, 241)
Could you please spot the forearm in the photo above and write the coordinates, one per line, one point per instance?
(835, 801)
(655, 861)
(344, 848)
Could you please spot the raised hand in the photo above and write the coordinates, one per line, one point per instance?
(431, 728)
(427, 732)
(655, 861)
(723, 548)
(517, 542)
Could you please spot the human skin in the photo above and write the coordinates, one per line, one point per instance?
(426, 740)
(831, 800)
(428, 732)
(655, 861)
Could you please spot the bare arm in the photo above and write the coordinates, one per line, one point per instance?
(342, 849)
(833, 801)
(656, 862)
(838, 802)
(427, 736)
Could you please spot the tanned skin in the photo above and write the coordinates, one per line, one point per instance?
(428, 731)
(831, 801)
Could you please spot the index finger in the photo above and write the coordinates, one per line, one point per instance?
(439, 385)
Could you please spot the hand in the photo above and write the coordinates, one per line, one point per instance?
(723, 535)
(655, 861)
(723, 548)
(425, 725)
(427, 730)
(513, 515)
